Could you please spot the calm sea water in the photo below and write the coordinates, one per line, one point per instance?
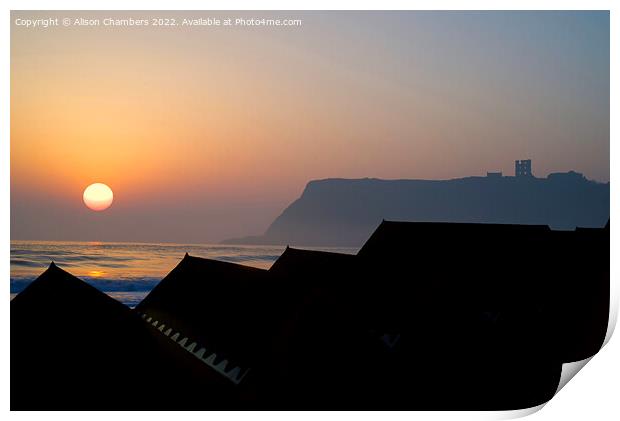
(127, 271)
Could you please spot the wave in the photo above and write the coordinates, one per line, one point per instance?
(27, 263)
(127, 269)
(18, 284)
(59, 258)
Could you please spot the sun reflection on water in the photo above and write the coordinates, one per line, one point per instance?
(96, 273)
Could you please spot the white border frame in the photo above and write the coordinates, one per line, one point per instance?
(593, 394)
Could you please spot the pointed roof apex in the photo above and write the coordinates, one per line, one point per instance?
(52, 265)
(186, 255)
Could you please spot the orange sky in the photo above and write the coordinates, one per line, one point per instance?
(241, 118)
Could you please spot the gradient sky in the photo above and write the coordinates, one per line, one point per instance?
(208, 133)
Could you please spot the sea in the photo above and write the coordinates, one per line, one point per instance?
(128, 271)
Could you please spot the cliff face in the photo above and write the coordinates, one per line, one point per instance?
(344, 212)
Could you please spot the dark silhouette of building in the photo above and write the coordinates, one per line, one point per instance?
(426, 316)
(216, 311)
(523, 168)
(274, 334)
(513, 329)
(75, 348)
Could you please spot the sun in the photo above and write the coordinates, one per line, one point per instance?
(98, 196)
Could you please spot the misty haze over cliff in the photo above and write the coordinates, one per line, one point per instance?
(344, 212)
